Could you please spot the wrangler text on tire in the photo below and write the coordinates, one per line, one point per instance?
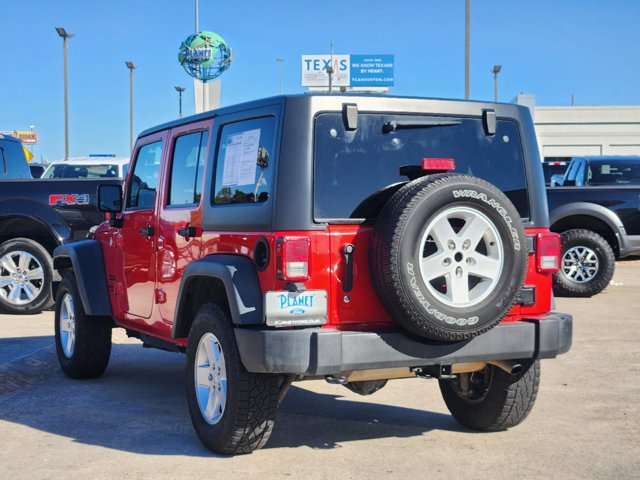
(448, 256)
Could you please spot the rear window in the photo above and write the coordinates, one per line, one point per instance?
(352, 165)
(614, 172)
(82, 171)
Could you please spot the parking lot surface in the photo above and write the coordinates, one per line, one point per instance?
(133, 422)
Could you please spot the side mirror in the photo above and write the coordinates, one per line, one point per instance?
(110, 198)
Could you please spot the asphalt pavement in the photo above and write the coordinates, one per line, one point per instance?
(133, 422)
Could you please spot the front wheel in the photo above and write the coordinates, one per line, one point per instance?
(586, 266)
(83, 342)
(492, 399)
(233, 411)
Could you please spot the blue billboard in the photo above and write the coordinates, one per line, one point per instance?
(371, 70)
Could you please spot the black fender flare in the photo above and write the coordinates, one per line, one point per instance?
(50, 220)
(86, 259)
(590, 210)
(240, 279)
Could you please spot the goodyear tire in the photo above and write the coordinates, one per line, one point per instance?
(448, 256)
(26, 273)
(83, 343)
(492, 399)
(586, 265)
(233, 411)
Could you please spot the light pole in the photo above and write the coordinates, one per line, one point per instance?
(280, 61)
(467, 46)
(131, 68)
(495, 70)
(65, 36)
(180, 90)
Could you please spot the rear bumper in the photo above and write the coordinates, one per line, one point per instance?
(313, 352)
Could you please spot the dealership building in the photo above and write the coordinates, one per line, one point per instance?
(569, 131)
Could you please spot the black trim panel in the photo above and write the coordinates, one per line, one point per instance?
(88, 267)
(240, 279)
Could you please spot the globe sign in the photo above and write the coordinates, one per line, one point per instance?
(204, 55)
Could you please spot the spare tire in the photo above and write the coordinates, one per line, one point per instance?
(448, 256)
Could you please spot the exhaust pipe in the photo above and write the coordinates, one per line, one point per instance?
(510, 366)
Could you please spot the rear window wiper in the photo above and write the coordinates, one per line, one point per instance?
(397, 125)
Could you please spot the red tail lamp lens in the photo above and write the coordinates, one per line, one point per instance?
(293, 256)
(549, 248)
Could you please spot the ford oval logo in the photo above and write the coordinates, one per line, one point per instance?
(296, 311)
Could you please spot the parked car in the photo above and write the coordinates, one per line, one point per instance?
(88, 167)
(553, 169)
(13, 164)
(320, 236)
(37, 169)
(596, 208)
(36, 217)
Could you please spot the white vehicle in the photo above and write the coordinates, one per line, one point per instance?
(88, 167)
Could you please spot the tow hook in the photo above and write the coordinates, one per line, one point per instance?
(434, 371)
(337, 379)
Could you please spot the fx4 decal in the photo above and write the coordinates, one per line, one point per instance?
(68, 199)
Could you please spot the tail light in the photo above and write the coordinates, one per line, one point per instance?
(548, 250)
(293, 255)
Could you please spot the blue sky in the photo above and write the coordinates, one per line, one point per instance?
(551, 49)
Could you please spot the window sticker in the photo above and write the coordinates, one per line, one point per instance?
(240, 157)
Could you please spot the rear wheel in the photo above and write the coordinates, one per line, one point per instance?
(586, 266)
(83, 343)
(492, 399)
(233, 411)
(26, 273)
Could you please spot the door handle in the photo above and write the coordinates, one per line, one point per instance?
(187, 232)
(147, 231)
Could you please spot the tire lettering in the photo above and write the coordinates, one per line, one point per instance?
(494, 204)
(431, 310)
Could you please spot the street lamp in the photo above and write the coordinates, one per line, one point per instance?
(495, 70)
(467, 46)
(180, 90)
(280, 61)
(63, 33)
(131, 68)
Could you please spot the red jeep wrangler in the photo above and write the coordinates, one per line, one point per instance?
(352, 238)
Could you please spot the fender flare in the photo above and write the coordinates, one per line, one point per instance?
(50, 220)
(240, 279)
(589, 210)
(86, 260)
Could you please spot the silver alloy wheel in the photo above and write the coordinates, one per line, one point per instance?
(580, 264)
(21, 277)
(461, 256)
(67, 326)
(210, 373)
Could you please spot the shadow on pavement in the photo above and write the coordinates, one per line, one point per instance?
(139, 405)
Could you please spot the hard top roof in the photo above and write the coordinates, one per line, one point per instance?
(474, 107)
(9, 138)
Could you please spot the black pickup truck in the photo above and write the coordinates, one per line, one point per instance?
(36, 216)
(596, 208)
